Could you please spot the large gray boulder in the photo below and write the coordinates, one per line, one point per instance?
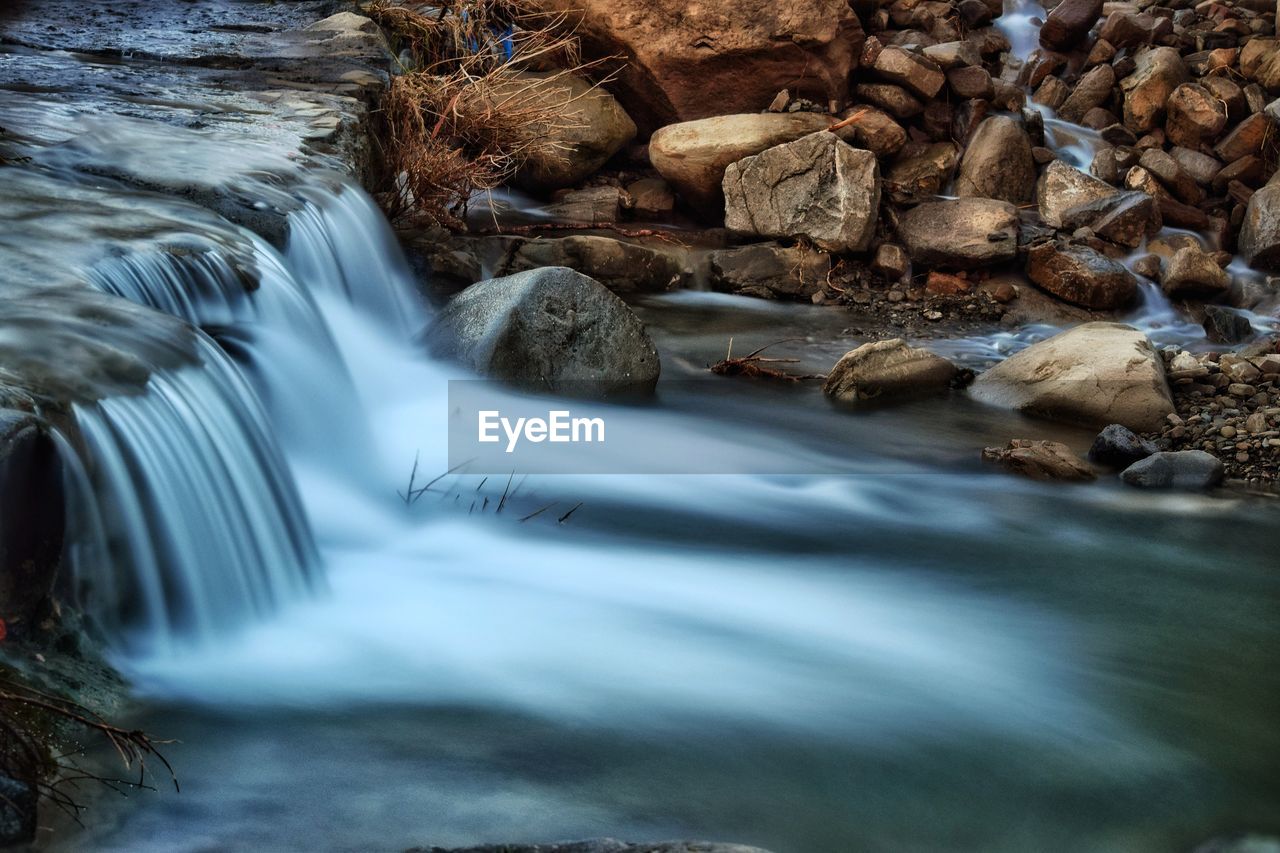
(884, 370)
(1260, 233)
(962, 233)
(817, 187)
(549, 329)
(693, 155)
(1093, 375)
(1175, 469)
(998, 163)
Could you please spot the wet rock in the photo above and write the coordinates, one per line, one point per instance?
(887, 370)
(1081, 276)
(1118, 447)
(921, 170)
(1169, 173)
(1182, 469)
(1195, 116)
(1125, 218)
(1201, 167)
(693, 156)
(998, 163)
(1093, 90)
(745, 52)
(874, 130)
(954, 54)
(962, 233)
(914, 72)
(970, 82)
(591, 127)
(1192, 272)
(1225, 326)
(1040, 460)
(17, 812)
(1068, 24)
(1128, 29)
(590, 206)
(817, 187)
(1260, 232)
(1062, 187)
(1158, 72)
(769, 271)
(32, 521)
(1095, 374)
(548, 329)
(1053, 93)
(621, 266)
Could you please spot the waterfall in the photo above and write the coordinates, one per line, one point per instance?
(202, 526)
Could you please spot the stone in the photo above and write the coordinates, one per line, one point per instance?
(684, 62)
(1259, 241)
(1068, 24)
(1225, 326)
(599, 845)
(651, 198)
(1053, 93)
(963, 233)
(894, 100)
(998, 163)
(1244, 139)
(1192, 272)
(32, 521)
(1093, 90)
(1180, 469)
(1126, 218)
(1201, 167)
(1156, 74)
(590, 127)
(874, 130)
(769, 271)
(1124, 29)
(1171, 175)
(549, 329)
(891, 261)
(921, 170)
(1195, 116)
(970, 81)
(1118, 447)
(693, 156)
(1081, 276)
(954, 54)
(817, 187)
(1093, 375)
(885, 370)
(589, 206)
(1062, 187)
(944, 284)
(1040, 460)
(914, 72)
(621, 266)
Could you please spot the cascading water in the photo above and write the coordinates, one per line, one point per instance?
(204, 528)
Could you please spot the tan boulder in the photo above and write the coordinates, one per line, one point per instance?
(1093, 375)
(887, 369)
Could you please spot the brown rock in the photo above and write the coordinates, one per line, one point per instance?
(1040, 460)
(1128, 29)
(891, 261)
(1093, 90)
(918, 74)
(1125, 218)
(971, 81)
(894, 100)
(874, 130)
(1068, 23)
(943, 284)
(1195, 116)
(887, 369)
(962, 233)
(1147, 90)
(769, 271)
(998, 163)
(743, 51)
(1062, 187)
(1192, 272)
(920, 170)
(1245, 139)
(1081, 276)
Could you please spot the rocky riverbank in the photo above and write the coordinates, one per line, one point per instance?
(937, 168)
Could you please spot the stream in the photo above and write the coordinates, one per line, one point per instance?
(909, 653)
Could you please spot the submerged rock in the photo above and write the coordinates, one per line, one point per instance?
(693, 156)
(1093, 375)
(1175, 469)
(1040, 460)
(1081, 276)
(885, 370)
(816, 187)
(547, 329)
(962, 233)
(1117, 446)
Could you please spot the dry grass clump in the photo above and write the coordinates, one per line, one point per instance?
(462, 116)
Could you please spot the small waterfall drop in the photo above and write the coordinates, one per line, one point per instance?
(203, 525)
